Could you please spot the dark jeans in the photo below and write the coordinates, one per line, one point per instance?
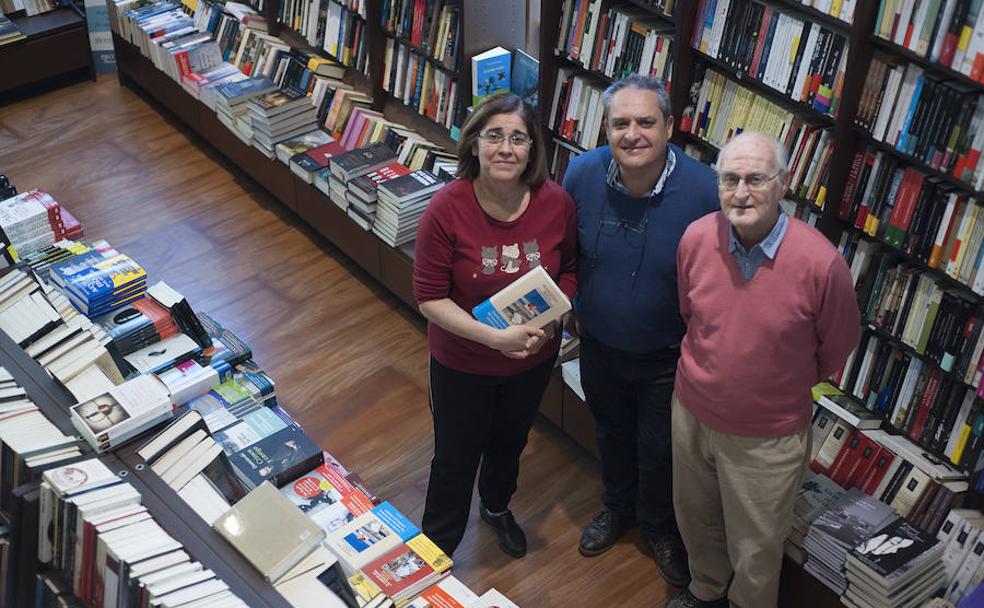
(629, 395)
(477, 419)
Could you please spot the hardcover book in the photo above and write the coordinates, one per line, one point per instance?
(269, 532)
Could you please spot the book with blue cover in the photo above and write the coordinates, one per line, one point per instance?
(526, 78)
(238, 92)
(98, 282)
(533, 299)
(490, 74)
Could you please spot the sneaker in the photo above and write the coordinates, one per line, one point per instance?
(685, 599)
(508, 534)
(671, 559)
(602, 533)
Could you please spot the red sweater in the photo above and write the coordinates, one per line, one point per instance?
(463, 254)
(754, 348)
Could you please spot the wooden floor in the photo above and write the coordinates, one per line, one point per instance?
(348, 359)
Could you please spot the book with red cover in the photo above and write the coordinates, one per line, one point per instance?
(846, 460)
(365, 186)
(306, 164)
(873, 476)
(867, 453)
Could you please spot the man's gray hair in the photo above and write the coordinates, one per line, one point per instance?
(646, 83)
(779, 155)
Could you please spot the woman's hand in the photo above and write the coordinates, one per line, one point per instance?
(537, 343)
(516, 338)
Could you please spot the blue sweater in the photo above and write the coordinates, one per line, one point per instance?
(627, 286)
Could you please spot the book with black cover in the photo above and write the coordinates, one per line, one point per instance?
(894, 554)
(279, 458)
(360, 161)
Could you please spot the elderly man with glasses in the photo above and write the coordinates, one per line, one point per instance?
(770, 311)
(634, 197)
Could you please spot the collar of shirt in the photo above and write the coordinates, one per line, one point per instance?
(769, 245)
(615, 177)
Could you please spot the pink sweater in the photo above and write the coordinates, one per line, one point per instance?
(754, 349)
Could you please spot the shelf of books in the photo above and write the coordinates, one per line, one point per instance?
(41, 41)
(290, 116)
(881, 129)
(148, 461)
(422, 65)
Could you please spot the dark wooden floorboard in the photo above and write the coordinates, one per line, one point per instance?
(349, 360)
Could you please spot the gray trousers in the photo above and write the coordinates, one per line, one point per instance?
(734, 497)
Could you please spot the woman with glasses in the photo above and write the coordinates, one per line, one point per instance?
(498, 220)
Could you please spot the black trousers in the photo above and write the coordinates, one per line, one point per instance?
(481, 424)
(629, 396)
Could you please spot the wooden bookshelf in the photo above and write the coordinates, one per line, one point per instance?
(56, 49)
(391, 267)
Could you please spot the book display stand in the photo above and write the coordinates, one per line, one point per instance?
(56, 47)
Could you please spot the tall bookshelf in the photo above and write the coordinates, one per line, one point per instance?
(846, 138)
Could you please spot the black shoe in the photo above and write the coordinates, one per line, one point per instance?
(671, 559)
(685, 599)
(508, 534)
(602, 533)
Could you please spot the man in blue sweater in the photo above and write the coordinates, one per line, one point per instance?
(635, 197)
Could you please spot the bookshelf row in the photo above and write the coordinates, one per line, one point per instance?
(807, 89)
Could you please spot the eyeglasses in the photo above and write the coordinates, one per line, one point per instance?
(496, 137)
(633, 232)
(753, 181)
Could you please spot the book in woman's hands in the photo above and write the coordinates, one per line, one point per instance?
(532, 299)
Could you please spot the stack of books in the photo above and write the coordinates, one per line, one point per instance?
(314, 162)
(403, 572)
(31, 221)
(99, 282)
(231, 104)
(362, 192)
(401, 203)
(817, 495)
(31, 442)
(897, 566)
(9, 32)
(963, 552)
(280, 115)
(301, 144)
(112, 419)
(853, 518)
(137, 325)
(354, 163)
(325, 496)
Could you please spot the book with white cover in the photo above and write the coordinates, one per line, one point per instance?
(492, 599)
(533, 299)
(124, 411)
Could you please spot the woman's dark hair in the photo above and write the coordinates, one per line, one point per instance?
(508, 103)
